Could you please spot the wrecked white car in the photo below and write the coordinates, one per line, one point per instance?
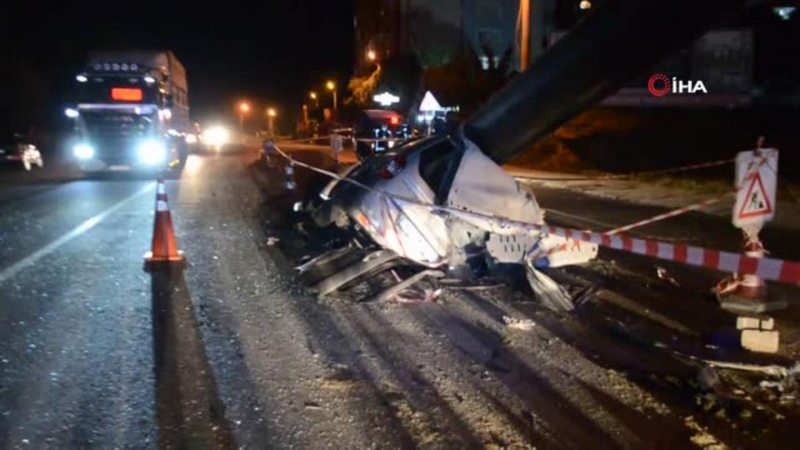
(443, 205)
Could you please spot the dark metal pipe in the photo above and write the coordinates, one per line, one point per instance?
(614, 44)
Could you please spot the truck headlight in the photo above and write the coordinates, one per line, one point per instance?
(83, 151)
(152, 152)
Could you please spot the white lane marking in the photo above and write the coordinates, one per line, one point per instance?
(87, 225)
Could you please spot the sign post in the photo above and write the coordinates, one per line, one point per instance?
(756, 186)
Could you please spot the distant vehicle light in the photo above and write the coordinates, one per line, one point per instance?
(152, 152)
(81, 78)
(83, 151)
(126, 94)
(216, 136)
(784, 12)
(71, 113)
(149, 79)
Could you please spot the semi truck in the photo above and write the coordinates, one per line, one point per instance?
(130, 112)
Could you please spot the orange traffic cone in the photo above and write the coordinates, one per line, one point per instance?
(165, 246)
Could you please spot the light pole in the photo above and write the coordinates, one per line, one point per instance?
(271, 115)
(244, 108)
(331, 85)
(313, 96)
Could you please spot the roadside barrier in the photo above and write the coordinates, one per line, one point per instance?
(766, 268)
(164, 248)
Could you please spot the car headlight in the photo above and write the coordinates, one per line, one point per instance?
(216, 136)
(152, 152)
(83, 151)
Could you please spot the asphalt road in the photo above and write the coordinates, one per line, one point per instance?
(234, 351)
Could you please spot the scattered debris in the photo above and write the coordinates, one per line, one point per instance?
(772, 370)
(312, 405)
(548, 291)
(586, 295)
(708, 378)
(417, 295)
(664, 275)
(519, 324)
(701, 437)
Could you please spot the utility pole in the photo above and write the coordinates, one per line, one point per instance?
(525, 34)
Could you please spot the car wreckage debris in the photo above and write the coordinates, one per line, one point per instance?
(377, 260)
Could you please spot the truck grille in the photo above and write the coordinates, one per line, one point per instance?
(114, 135)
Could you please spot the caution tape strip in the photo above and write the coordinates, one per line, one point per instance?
(669, 214)
(767, 268)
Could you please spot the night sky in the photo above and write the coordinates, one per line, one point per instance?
(267, 51)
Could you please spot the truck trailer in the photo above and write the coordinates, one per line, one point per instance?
(131, 112)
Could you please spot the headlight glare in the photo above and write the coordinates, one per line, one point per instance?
(152, 152)
(83, 151)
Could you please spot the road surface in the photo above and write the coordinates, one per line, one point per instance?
(235, 352)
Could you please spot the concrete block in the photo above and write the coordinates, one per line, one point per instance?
(755, 323)
(760, 341)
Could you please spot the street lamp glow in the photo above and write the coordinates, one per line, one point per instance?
(371, 55)
(585, 4)
(244, 107)
(271, 112)
(313, 95)
(330, 85)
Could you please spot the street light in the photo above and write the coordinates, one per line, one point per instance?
(272, 113)
(371, 55)
(331, 85)
(244, 108)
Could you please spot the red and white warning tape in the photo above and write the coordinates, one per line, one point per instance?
(668, 215)
(766, 268)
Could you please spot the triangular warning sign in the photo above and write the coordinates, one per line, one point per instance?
(756, 203)
(429, 103)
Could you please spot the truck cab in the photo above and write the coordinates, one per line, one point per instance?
(131, 113)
